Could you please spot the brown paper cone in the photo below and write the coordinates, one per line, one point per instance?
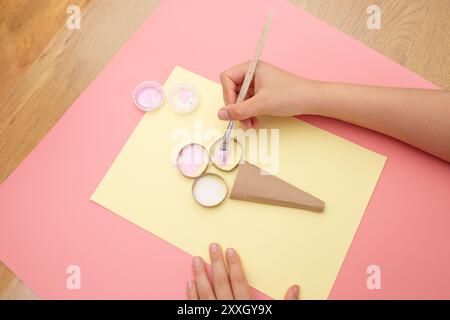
(251, 185)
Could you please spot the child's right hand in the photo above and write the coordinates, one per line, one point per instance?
(416, 116)
(273, 92)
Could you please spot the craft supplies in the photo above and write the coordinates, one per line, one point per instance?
(183, 98)
(192, 160)
(209, 190)
(247, 79)
(226, 160)
(252, 184)
(148, 95)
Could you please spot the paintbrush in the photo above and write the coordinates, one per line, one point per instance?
(247, 80)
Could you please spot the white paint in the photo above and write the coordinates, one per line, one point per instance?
(183, 98)
(209, 190)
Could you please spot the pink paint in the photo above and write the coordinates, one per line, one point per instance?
(228, 159)
(183, 98)
(221, 156)
(192, 160)
(47, 221)
(186, 96)
(148, 96)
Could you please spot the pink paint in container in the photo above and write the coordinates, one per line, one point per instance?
(192, 160)
(226, 160)
(148, 95)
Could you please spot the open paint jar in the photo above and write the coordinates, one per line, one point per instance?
(148, 95)
(192, 160)
(228, 159)
(209, 190)
(183, 98)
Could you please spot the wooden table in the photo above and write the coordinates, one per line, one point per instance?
(45, 66)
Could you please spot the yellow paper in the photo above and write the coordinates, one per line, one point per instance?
(279, 246)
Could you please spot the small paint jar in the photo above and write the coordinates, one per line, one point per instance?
(148, 96)
(209, 190)
(183, 98)
(192, 160)
(226, 160)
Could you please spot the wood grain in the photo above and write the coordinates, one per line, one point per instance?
(430, 56)
(401, 22)
(45, 66)
(26, 28)
(12, 287)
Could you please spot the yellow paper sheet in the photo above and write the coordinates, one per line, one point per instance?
(279, 246)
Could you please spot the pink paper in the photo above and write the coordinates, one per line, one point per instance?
(48, 223)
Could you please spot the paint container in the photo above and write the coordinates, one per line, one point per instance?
(148, 95)
(209, 190)
(183, 98)
(226, 160)
(192, 160)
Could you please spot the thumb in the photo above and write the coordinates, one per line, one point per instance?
(292, 293)
(240, 111)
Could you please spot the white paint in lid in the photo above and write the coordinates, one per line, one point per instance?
(209, 190)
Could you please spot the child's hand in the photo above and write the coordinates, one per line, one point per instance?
(227, 284)
(273, 92)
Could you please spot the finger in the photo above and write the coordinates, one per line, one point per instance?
(229, 89)
(247, 122)
(254, 122)
(251, 122)
(191, 290)
(221, 281)
(241, 289)
(292, 293)
(231, 80)
(243, 110)
(204, 289)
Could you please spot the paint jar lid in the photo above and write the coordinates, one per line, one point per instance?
(226, 160)
(209, 190)
(148, 95)
(192, 160)
(183, 98)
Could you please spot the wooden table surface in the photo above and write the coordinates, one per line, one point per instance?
(45, 66)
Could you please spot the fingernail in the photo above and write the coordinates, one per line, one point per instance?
(223, 115)
(230, 252)
(197, 261)
(213, 247)
(190, 284)
(296, 291)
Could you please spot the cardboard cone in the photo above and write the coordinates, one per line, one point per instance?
(251, 185)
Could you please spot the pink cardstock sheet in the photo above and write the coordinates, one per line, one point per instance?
(48, 223)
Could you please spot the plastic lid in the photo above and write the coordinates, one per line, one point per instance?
(148, 95)
(183, 98)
